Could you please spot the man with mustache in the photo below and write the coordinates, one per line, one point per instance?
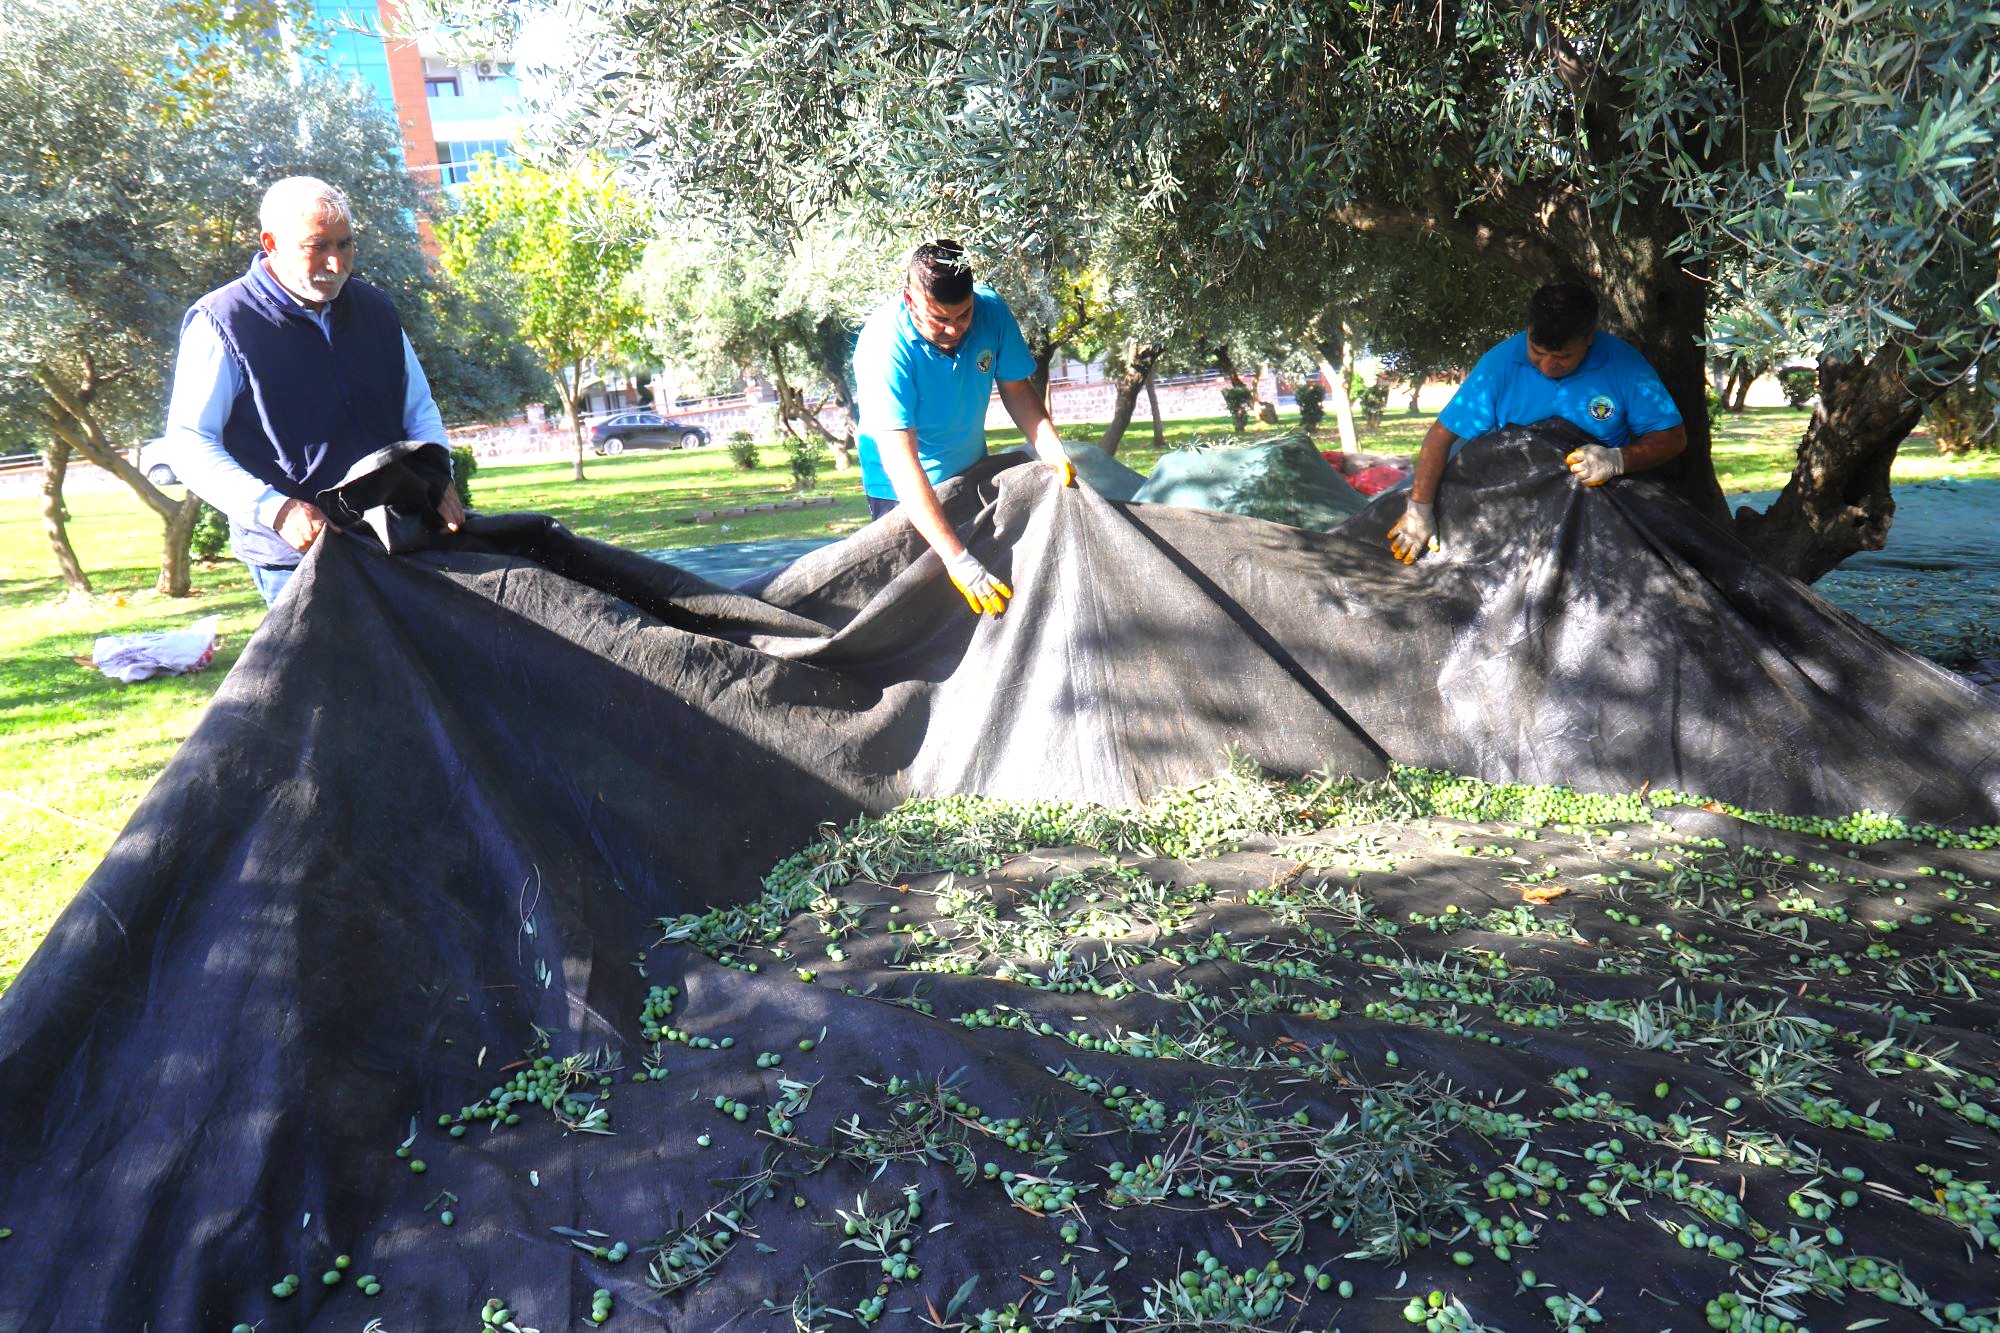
(289, 376)
(924, 366)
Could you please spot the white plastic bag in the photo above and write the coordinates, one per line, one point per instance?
(134, 657)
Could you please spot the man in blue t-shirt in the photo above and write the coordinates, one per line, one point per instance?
(1564, 366)
(925, 365)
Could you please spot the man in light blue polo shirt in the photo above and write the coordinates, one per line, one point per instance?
(925, 365)
(1564, 366)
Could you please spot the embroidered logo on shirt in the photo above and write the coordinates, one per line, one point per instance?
(1601, 407)
(986, 360)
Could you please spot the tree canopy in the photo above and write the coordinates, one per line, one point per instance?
(1834, 158)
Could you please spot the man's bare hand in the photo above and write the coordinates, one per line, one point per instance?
(299, 524)
(451, 510)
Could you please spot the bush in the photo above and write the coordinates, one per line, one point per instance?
(211, 533)
(1964, 417)
(1372, 401)
(463, 465)
(1800, 384)
(743, 450)
(802, 457)
(1236, 398)
(1312, 405)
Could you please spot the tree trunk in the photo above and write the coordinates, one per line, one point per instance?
(793, 406)
(1226, 363)
(567, 389)
(55, 520)
(1136, 376)
(175, 579)
(831, 340)
(1043, 349)
(1153, 401)
(1744, 376)
(74, 422)
(1266, 409)
(1838, 500)
(1417, 379)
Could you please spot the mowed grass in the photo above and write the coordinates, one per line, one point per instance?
(78, 751)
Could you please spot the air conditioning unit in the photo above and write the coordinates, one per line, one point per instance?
(485, 69)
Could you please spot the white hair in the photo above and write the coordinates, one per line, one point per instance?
(297, 197)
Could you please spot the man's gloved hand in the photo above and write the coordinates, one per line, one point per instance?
(1593, 464)
(1414, 533)
(1065, 472)
(983, 593)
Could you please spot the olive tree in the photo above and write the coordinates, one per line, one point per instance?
(133, 180)
(1839, 155)
(757, 306)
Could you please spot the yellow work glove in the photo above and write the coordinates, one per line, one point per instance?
(1593, 464)
(1065, 472)
(985, 594)
(1414, 533)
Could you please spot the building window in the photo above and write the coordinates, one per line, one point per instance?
(441, 87)
(456, 160)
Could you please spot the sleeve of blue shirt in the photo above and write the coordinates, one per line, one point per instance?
(1014, 361)
(206, 382)
(1475, 409)
(885, 389)
(1648, 405)
(421, 418)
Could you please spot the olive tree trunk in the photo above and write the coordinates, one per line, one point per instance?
(74, 421)
(55, 519)
(1137, 375)
(1153, 402)
(1838, 500)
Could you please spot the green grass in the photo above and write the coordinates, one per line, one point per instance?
(78, 751)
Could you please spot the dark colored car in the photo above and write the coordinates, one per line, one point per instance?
(644, 430)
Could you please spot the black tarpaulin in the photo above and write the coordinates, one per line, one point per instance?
(431, 816)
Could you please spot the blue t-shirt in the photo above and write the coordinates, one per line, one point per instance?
(1614, 395)
(902, 382)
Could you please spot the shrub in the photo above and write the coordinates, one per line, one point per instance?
(463, 465)
(211, 533)
(1312, 405)
(802, 457)
(743, 450)
(1964, 417)
(1373, 401)
(1801, 385)
(1236, 398)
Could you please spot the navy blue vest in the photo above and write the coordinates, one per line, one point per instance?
(310, 408)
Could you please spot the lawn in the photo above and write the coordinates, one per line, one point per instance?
(79, 751)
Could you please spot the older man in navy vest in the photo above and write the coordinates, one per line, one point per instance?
(288, 377)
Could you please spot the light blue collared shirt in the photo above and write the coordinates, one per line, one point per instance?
(207, 380)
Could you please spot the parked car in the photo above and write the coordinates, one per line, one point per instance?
(640, 430)
(157, 469)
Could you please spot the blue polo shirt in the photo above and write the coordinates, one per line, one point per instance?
(1614, 395)
(902, 382)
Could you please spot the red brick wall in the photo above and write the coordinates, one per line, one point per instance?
(413, 111)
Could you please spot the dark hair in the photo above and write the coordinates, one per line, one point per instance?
(1561, 312)
(941, 270)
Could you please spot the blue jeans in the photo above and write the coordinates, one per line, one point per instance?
(877, 508)
(271, 580)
